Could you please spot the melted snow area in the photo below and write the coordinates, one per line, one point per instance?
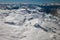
(28, 24)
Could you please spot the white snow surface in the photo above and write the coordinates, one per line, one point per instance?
(20, 25)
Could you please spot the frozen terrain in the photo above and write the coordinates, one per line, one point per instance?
(28, 22)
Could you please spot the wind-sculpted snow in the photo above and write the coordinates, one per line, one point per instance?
(29, 24)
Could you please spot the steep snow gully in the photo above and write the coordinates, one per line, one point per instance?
(28, 23)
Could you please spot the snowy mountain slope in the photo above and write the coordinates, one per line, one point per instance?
(29, 24)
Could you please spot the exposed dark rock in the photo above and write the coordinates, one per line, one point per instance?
(38, 26)
(30, 18)
(12, 23)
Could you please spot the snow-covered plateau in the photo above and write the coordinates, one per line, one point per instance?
(29, 22)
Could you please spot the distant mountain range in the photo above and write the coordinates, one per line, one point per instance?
(18, 5)
(48, 8)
